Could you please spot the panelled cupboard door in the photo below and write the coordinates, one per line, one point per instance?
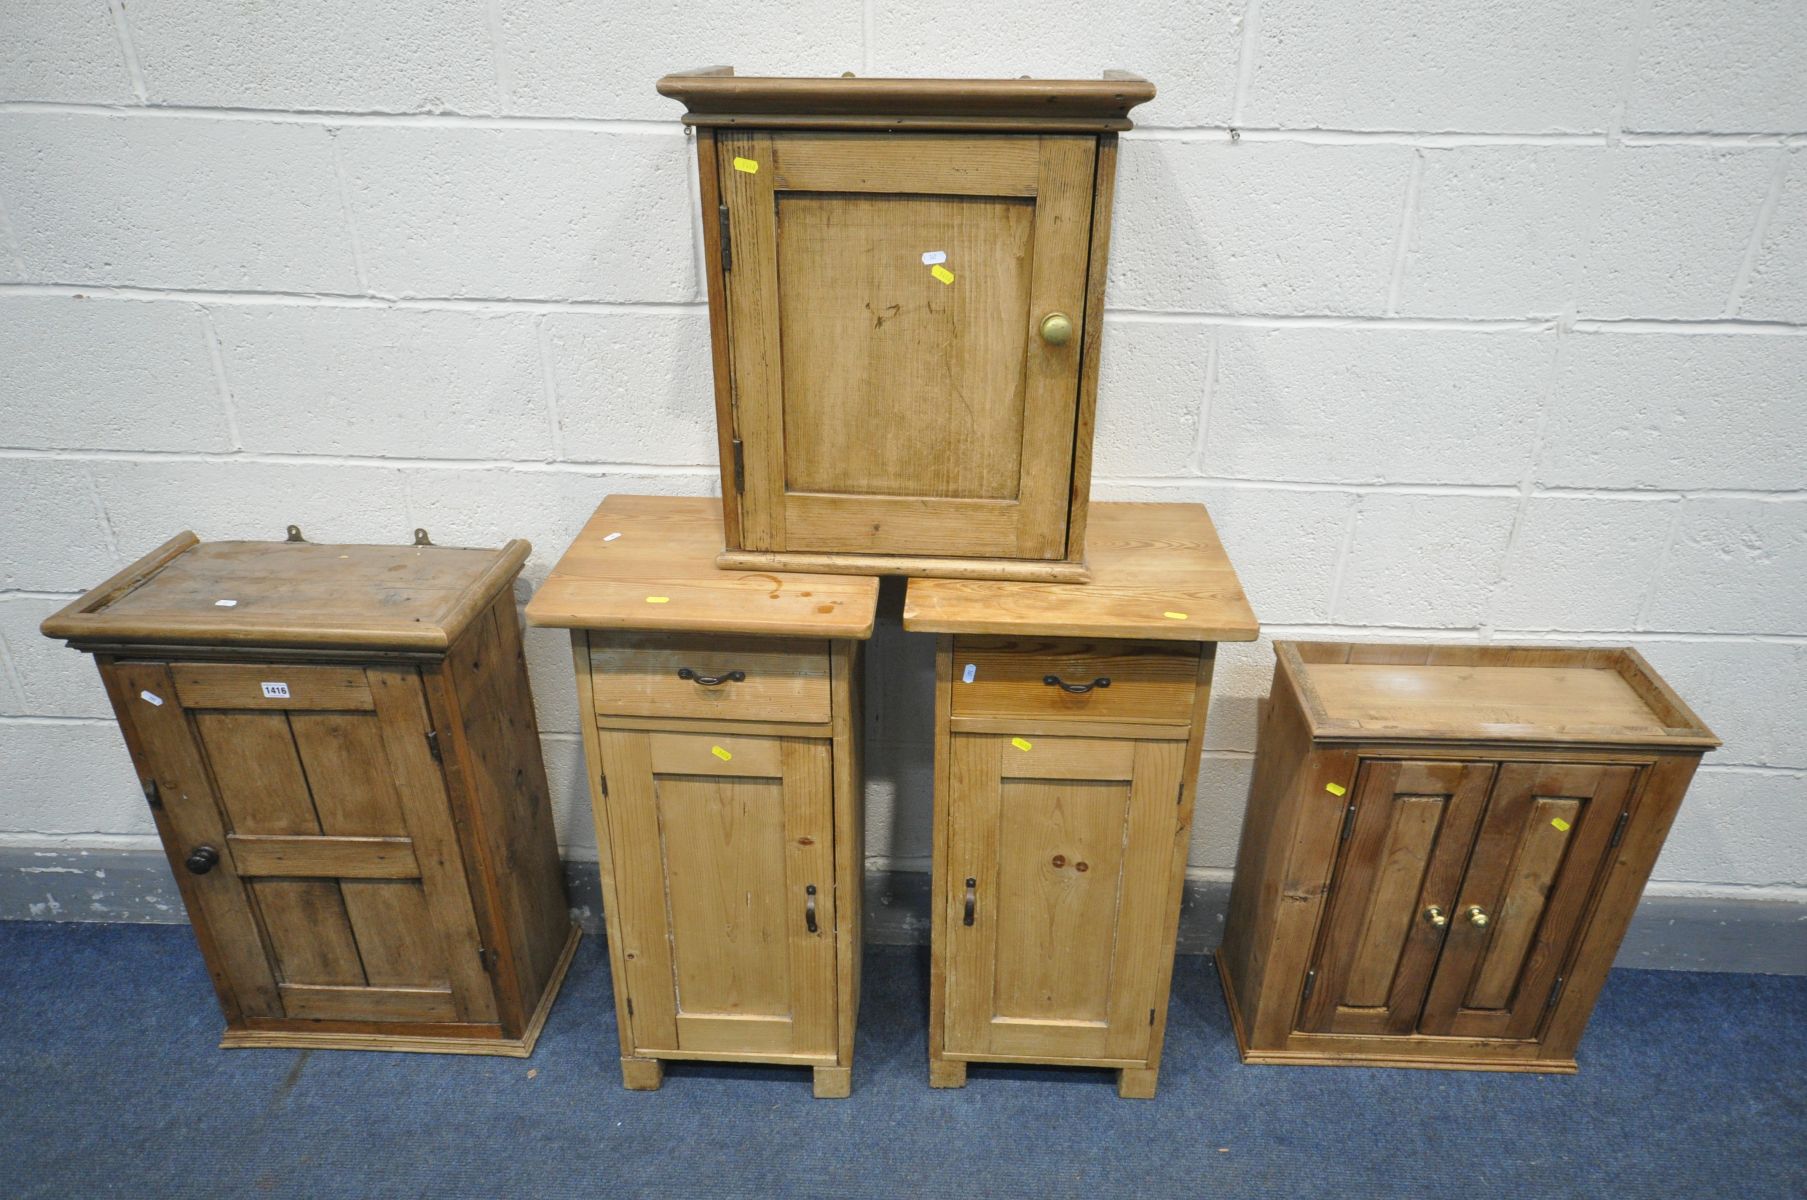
(1546, 836)
(727, 907)
(892, 390)
(1408, 828)
(1059, 852)
(305, 807)
(1457, 895)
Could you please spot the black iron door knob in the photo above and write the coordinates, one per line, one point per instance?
(202, 859)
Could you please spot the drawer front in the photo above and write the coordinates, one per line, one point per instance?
(732, 678)
(1007, 677)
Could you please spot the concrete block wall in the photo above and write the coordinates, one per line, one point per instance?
(1467, 320)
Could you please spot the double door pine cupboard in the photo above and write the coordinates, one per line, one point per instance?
(1069, 723)
(906, 283)
(1442, 850)
(338, 749)
(721, 721)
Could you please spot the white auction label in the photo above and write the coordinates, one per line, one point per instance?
(276, 691)
(972, 669)
(151, 698)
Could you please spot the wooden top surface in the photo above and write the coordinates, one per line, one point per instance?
(660, 574)
(292, 594)
(1577, 694)
(1158, 571)
(716, 96)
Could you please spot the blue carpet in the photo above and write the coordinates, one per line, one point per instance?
(1691, 1085)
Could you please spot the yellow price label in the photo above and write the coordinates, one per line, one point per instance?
(720, 753)
(1336, 789)
(658, 599)
(1173, 616)
(942, 273)
(747, 165)
(1562, 826)
(1022, 743)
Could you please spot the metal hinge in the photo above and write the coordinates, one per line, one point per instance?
(151, 796)
(630, 1006)
(1311, 981)
(1348, 822)
(486, 958)
(433, 745)
(604, 781)
(721, 216)
(1179, 795)
(740, 467)
(1151, 1016)
(1556, 992)
(1618, 831)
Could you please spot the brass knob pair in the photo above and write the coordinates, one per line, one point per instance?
(1477, 916)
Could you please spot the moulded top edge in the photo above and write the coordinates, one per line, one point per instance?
(722, 93)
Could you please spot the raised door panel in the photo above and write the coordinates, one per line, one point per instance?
(1546, 835)
(339, 891)
(723, 848)
(1058, 855)
(891, 391)
(1408, 828)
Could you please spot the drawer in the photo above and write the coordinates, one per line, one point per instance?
(661, 675)
(1149, 681)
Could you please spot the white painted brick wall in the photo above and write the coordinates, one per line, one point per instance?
(1489, 322)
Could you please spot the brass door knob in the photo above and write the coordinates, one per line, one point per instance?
(1436, 916)
(1057, 329)
(1476, 916)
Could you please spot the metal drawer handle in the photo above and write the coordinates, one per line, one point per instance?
(809, 907)
(712, 680)
(1078, 689)
(972, 899)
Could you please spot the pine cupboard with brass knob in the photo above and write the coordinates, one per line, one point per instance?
(339, 751)
(1069, 723)
(720, 715)
(1442, 849)
(924, 257)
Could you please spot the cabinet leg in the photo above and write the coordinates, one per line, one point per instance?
(834, 1083)
(1137, 1083)
(947, 1073)
(642, 1074)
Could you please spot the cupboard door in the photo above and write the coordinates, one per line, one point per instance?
(1059, 852)
(1546, 835)
(887, 402)
(329, 871)
(724, 870)
(1409, 827)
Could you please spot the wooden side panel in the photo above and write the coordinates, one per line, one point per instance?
(1410, 830)
(755, 357)
(489, 737)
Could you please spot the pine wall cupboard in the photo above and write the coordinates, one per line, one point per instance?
(921, 257)
(1443, 847)
(340, 753)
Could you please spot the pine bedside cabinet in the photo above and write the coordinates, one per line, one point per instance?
(721, 719)
(1068, 727)
(922, 257)
(1442, 849)
(342, 760)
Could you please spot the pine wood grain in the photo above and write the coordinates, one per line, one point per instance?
(1521, 792)
(1146, 560)
(667, 548)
